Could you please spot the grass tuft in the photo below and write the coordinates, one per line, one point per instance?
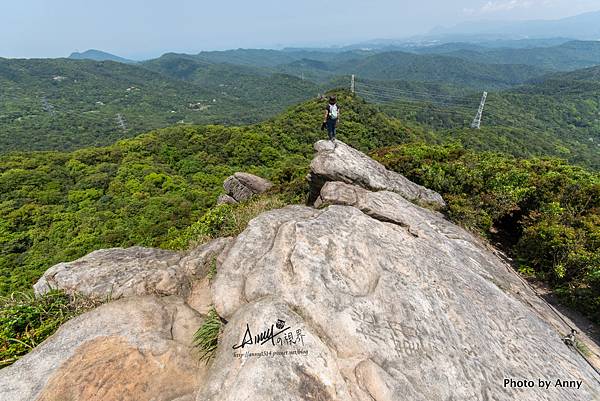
(212, 269)
(206, 339)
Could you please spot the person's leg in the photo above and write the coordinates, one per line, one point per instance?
(331, 129)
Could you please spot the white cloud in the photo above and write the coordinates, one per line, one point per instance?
(497, 6)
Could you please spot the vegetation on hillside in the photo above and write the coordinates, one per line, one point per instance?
(558, 116)
(159, 189)
(571, 55)
(63, 104)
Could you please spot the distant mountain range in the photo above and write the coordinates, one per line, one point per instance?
(584, 26)
(98, 55)
(563, 57)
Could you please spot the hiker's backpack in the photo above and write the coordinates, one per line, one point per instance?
(333, 111)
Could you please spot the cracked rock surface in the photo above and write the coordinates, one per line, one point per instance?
(404, 317)
(123, 272)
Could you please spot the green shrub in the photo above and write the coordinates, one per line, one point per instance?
(224, 221)
(212, 269)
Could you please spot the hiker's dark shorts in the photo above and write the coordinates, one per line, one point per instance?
(331, 128)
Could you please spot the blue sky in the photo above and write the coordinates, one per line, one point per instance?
(143, 29)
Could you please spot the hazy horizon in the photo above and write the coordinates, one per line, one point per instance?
(145, 29)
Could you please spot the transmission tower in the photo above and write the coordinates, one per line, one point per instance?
(477, 120)
(121, 122)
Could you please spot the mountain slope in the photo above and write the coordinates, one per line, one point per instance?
(567, 56)
(56, 104)
(98, 55)
(262, 88)
(555, 115)
(433, 68)
(65, 104)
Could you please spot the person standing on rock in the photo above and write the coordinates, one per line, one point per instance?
(331, 117)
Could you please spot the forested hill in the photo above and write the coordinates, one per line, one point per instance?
(61, 104)
(98, 55)
(439, 68)
(555, 115)
(571, 55)
(266, 90)
(66, 104)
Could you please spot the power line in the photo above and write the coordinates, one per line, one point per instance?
(409, 91)
(407, 103)
(121, 122)
(418, 101)
(47, 106)
(415, 95)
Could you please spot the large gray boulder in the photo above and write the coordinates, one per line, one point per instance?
(340, 162)
(242, 186)
(123, 272)
(399, 310)
(132, 349)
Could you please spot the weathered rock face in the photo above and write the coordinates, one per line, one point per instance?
(345, 164)
(132, 349)
(285, 376)
(242, 186)
(119, 272)
(405, 316)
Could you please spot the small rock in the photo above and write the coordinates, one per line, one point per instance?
(242, 186)
(226, 199)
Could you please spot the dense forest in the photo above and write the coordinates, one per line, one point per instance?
(567, 56)
(65, 104)
(62, 104)
(557, 115)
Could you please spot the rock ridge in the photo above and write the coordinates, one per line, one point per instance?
(342, 163)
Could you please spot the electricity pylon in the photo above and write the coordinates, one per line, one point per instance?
(477, 120)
